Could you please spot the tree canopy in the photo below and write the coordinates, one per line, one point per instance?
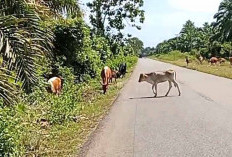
(113, 15)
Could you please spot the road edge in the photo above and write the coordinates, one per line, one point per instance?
(86, 146)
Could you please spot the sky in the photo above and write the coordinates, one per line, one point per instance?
(165, 18)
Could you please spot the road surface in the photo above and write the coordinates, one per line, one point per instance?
(197, 123)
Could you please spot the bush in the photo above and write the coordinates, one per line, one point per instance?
(114, 62)
(10, 132)
(175, 55)
(73, 48)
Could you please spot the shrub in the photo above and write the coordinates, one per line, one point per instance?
(10, 132)
(73, 48)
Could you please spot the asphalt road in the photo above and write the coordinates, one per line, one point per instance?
(197, 123)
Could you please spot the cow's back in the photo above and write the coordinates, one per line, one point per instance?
(55, 83)
(106, 74)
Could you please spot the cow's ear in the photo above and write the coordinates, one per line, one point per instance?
(145, 76)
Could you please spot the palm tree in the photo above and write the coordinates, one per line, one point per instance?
(224, 20)
(23, 41)
(188, 36)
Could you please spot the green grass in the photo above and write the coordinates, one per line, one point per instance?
(66, 139)
(223, 70)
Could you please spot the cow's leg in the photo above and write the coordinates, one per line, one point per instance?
(109, 80)
(153, 89)
(176, 85)
(156, 90)
(170, 86)
(154, 86)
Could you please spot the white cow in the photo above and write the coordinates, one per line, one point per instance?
(158, 77)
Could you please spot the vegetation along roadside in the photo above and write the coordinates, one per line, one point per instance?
(40, 40)
(211, 40)
(179, 59)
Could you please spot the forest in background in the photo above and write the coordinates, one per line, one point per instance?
(211, 40)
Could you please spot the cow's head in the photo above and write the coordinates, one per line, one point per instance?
(118, 74)
(142, 77)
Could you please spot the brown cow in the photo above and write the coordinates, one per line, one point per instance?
(222, 60)
(56, 84)
(106, 75)
(230, 59)
(115, 75)
(213, 60)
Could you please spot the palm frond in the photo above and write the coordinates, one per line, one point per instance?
(24, 41)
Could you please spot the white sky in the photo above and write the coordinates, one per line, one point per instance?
(165, 18)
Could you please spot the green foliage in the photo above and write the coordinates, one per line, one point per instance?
(46, 37)
(136, 44)
(117, 60)
(210, 40)
(224, 21)
(101, 45)
(20, 128)
(8, 89)
(148, 51)
(174, 56)
(193, 40)
(10, 132)
(226, 49)
(48, 8)
(73, 48)
(107, 15)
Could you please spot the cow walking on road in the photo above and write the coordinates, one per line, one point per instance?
(155, 78)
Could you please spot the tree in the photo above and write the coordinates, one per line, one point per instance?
(41, 7)
(148, 51)
(136, 44)
(107, 15)
(24, 41)
(187, 36)
(224, 21)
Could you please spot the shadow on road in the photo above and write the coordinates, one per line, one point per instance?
(150, 97)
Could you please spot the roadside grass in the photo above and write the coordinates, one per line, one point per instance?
(223, 70)
(66, 139)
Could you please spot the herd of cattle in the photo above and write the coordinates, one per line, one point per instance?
(212, 60)
(107, 75)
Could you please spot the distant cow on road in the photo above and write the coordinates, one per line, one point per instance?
(158, 77)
